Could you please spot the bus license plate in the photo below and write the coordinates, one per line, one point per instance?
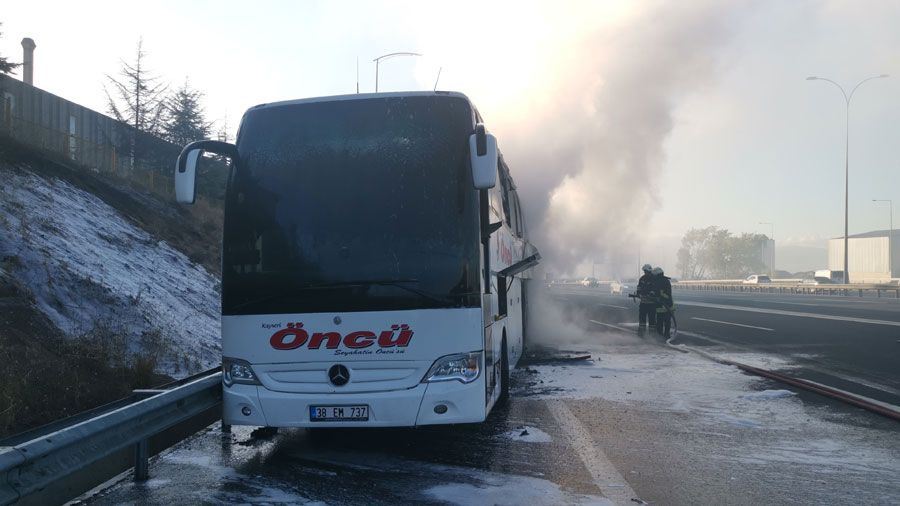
(338, 413)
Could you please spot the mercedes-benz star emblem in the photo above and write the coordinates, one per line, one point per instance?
(339, 375)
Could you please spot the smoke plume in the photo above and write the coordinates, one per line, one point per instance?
(589, 155)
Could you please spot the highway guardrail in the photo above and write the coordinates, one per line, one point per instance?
(65, 459)
(792, 288)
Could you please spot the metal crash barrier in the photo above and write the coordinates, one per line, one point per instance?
(855, 289)
(67, 458)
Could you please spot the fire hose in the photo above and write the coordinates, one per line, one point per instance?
(674, 330)
(811, 386)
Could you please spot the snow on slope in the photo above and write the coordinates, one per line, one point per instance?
(88, 267)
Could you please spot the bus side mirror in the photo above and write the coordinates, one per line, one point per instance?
(186, 166)
(483, 155)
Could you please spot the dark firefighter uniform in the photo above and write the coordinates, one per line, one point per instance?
(647, 307)
(663, 287)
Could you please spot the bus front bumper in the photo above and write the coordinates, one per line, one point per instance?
(421, 405)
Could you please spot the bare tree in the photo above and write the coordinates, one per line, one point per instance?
(6, 66)
(140, 96)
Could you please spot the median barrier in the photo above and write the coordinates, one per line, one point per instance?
(782, 287)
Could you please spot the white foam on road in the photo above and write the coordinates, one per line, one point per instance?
(233, 487)
(527, 435)
(509, 490)
(766, 395)
(764, 425)
(461, 485)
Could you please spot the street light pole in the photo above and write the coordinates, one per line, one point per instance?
(771, 253)
(385, 57)
(847, 98)
(890, 237)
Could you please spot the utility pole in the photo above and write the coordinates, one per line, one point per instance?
(847, 98)
(385, 57)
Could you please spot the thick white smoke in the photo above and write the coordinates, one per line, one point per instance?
(588, 159)
(582, 97)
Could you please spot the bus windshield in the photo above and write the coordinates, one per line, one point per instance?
(352, 205)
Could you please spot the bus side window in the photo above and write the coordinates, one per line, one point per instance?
(501, 295)
(514, 225)
(504, 189)
(519, 227)
(522, 230)
(494, 195)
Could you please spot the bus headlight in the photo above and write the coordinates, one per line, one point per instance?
(464, 367)
(237, 371)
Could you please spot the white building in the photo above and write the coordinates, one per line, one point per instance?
(767, 255)
(872, 257)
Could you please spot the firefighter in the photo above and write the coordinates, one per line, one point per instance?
(647, 307)
(666, 305)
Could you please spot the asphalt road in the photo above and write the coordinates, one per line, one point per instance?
(638, 423)
(848, 343)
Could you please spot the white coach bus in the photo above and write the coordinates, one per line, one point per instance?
(374, 263)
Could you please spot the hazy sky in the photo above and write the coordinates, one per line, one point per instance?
(611, 114)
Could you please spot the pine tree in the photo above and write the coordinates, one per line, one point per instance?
(185, 118)
(7, 67)
(140, 95)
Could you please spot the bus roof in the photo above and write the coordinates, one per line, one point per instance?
(362, 96)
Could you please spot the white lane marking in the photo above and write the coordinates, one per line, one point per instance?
(790, 313)
(610, 305)
(623, 329)
(730, 323)
(606, 477)
(839, 299)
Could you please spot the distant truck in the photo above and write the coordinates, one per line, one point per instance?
(829, 276)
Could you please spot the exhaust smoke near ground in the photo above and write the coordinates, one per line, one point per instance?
(556, 325)
(589, 98)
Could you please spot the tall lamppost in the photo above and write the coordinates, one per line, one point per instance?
(847, 98)
(890, 236)
(385, 57)
(771, 253)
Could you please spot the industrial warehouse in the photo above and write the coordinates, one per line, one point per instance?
(872, 257)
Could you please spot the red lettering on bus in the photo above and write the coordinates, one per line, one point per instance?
(298, 337)
(334, 340)
(294, 336)
(361, 339)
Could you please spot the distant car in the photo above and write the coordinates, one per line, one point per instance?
(757, 279)
(618, 288)
(589, 282)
